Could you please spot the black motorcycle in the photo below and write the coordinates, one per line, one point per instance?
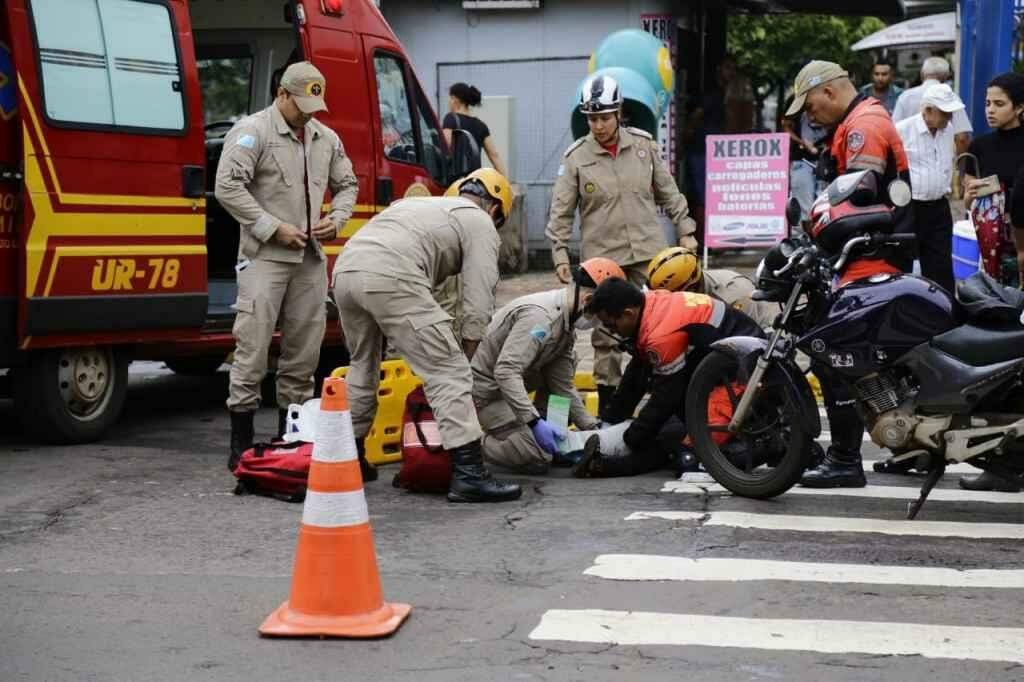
(936, 380)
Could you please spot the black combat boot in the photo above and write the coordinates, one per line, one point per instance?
(749, 456)
(282, 422)
(986, 480)
(241, 436)
(887, 466)
(839, 469)
(595, 465)
(368, 471)
(471, 482)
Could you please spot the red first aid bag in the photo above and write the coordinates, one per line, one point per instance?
(275, 469)
(426, 467)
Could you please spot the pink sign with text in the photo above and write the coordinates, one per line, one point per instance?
(746, 188)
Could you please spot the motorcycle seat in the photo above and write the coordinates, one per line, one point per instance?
(987, 302)
(981, 346)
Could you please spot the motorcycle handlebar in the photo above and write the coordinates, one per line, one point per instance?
(895, 239)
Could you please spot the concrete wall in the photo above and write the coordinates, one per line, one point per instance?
(541, 81)
(435, 31)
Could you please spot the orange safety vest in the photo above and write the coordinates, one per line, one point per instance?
(867, 140)
(665, 325)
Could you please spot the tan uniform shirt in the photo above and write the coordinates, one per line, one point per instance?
(261, 178)
(617, 199)
(427, 239)
(529, 345)
(735, 290)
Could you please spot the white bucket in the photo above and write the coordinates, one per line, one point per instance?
(301, 421)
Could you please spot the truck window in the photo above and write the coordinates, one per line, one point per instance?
(431, 150)
(397, 132)
(109, 63)
(225, 79)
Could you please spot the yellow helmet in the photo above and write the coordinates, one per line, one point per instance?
(453, 189)
(494, 183)
(675, 269)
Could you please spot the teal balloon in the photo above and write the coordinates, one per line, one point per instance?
(640, 105)
(638, 50)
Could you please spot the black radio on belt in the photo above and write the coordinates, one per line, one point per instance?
(827, 169)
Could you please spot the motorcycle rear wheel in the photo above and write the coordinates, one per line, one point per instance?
(774, 418)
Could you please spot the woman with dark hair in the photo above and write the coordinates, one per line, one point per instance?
(1000, 154)
(998, 214)
(461, 97)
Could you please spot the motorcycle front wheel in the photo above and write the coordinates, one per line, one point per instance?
(770, 452)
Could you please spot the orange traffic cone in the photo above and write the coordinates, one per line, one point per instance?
(335, 585)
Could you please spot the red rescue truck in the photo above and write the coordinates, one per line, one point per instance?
(112, 119)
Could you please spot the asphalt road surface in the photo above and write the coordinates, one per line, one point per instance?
(131, 560)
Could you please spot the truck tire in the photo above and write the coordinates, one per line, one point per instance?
(71, 395)
(198, 365)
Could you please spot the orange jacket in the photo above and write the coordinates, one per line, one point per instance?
(867, 140)
(667, 322)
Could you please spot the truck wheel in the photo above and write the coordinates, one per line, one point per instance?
(201, 365)
(71, 395)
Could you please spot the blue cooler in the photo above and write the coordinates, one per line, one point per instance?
(966, 255)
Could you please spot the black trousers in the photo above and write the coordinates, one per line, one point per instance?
(933, 224)
(654, 435)
(843, 419)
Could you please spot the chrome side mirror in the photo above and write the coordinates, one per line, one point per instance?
(899, 193)
(793, 212)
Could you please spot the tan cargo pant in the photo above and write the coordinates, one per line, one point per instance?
(607, 360)
(510, 444)
(372, 307)
(297, 293)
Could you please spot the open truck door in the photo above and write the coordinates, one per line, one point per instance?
(111, 233)
(405, 154)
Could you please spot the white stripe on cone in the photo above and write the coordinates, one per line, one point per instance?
(652, 567)
(885, 492)
(335, 440)
(833, 524)
(822, 636)
(335, 510)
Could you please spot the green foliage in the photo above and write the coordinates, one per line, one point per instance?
(770, 49)
(225, 85)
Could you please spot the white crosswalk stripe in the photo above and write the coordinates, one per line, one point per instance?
(654, 567)
(823, 636)
(814, 631)
(886, 492)
(837, 524)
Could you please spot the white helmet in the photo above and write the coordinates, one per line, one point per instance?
(599, 95)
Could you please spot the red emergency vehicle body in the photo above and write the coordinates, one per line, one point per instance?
(112, 113)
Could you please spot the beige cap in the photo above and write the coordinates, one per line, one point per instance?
(307, 85)
(811, 76)
(942, 97)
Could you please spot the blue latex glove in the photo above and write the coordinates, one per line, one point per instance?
(547, 436)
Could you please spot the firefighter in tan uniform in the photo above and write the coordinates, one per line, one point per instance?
(276, 166)
(679, 269)
(616, 180)
(383, 284)
(529, 346)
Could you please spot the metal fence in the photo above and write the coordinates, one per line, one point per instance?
(543, 91)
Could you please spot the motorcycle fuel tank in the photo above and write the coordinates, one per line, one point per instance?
(875, 321)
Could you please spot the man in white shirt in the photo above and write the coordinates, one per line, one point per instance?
(927, 141)
(935, 70)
